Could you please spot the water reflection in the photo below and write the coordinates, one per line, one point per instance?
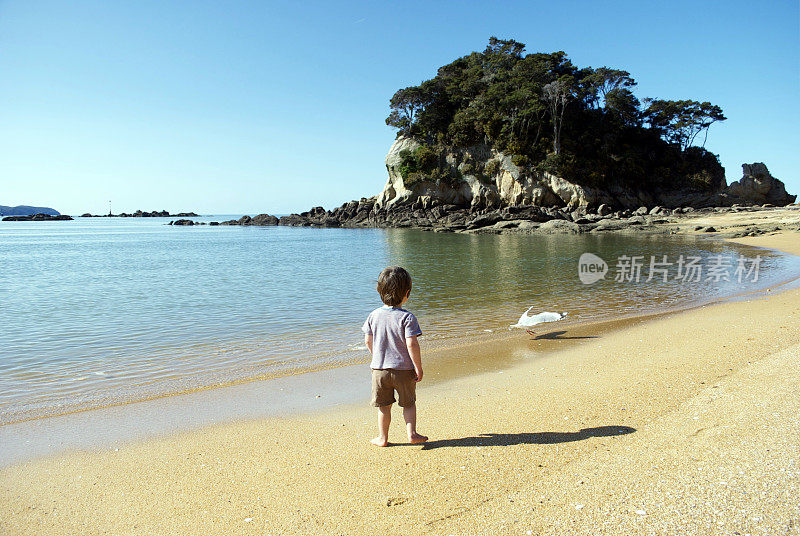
(469, 282)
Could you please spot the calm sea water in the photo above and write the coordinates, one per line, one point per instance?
(101, 310)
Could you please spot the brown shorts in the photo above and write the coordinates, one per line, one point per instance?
(386, 381)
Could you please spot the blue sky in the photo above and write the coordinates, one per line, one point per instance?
(248, 107)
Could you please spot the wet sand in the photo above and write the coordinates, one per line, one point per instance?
(683, 423)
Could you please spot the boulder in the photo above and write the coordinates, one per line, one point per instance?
(484, 220)
(264, 219)
(604, 210)
(758, 186)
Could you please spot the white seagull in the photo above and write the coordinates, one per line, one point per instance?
(527, 320)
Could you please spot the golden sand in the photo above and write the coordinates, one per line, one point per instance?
(683, 424)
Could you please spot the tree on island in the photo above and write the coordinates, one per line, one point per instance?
(558, 94)
(681, 121)
(585, 124)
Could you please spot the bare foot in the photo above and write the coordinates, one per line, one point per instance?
(417, 438)
(379, 441)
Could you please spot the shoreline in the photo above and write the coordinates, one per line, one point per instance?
(510, 469)
(75, 428)
(283, 396)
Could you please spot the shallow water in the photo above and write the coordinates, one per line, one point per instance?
(112, 309)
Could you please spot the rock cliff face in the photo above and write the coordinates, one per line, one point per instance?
(506, 185)
(500, 183)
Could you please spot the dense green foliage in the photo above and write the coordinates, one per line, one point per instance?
(583, 124)
(424, 163)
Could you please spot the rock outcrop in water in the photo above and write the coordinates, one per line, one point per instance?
(38, 217)
(260, 221)
(142, 214)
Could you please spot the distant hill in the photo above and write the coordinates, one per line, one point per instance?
(25, 210)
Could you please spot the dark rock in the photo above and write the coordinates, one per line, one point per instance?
(183, 222)
(39, 217)
(264, 219)
(532, 213)
(484, 221)
(294, 220)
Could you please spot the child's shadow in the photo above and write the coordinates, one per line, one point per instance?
(537, 438)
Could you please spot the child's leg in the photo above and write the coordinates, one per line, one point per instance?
(384, 420)
(410, 415)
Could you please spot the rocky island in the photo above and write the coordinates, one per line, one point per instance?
(30, 213)
(140, 214)
(499, 141)
(38, 217)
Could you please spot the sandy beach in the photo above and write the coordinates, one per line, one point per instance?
(682, 424)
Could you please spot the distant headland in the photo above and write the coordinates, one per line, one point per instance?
(27, 210)
(29, 213)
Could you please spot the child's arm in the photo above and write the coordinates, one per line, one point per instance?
(416, 357)
(368, 342)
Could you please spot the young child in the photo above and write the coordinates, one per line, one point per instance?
(390, 333)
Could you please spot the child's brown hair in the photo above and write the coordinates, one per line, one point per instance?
(393, 285)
